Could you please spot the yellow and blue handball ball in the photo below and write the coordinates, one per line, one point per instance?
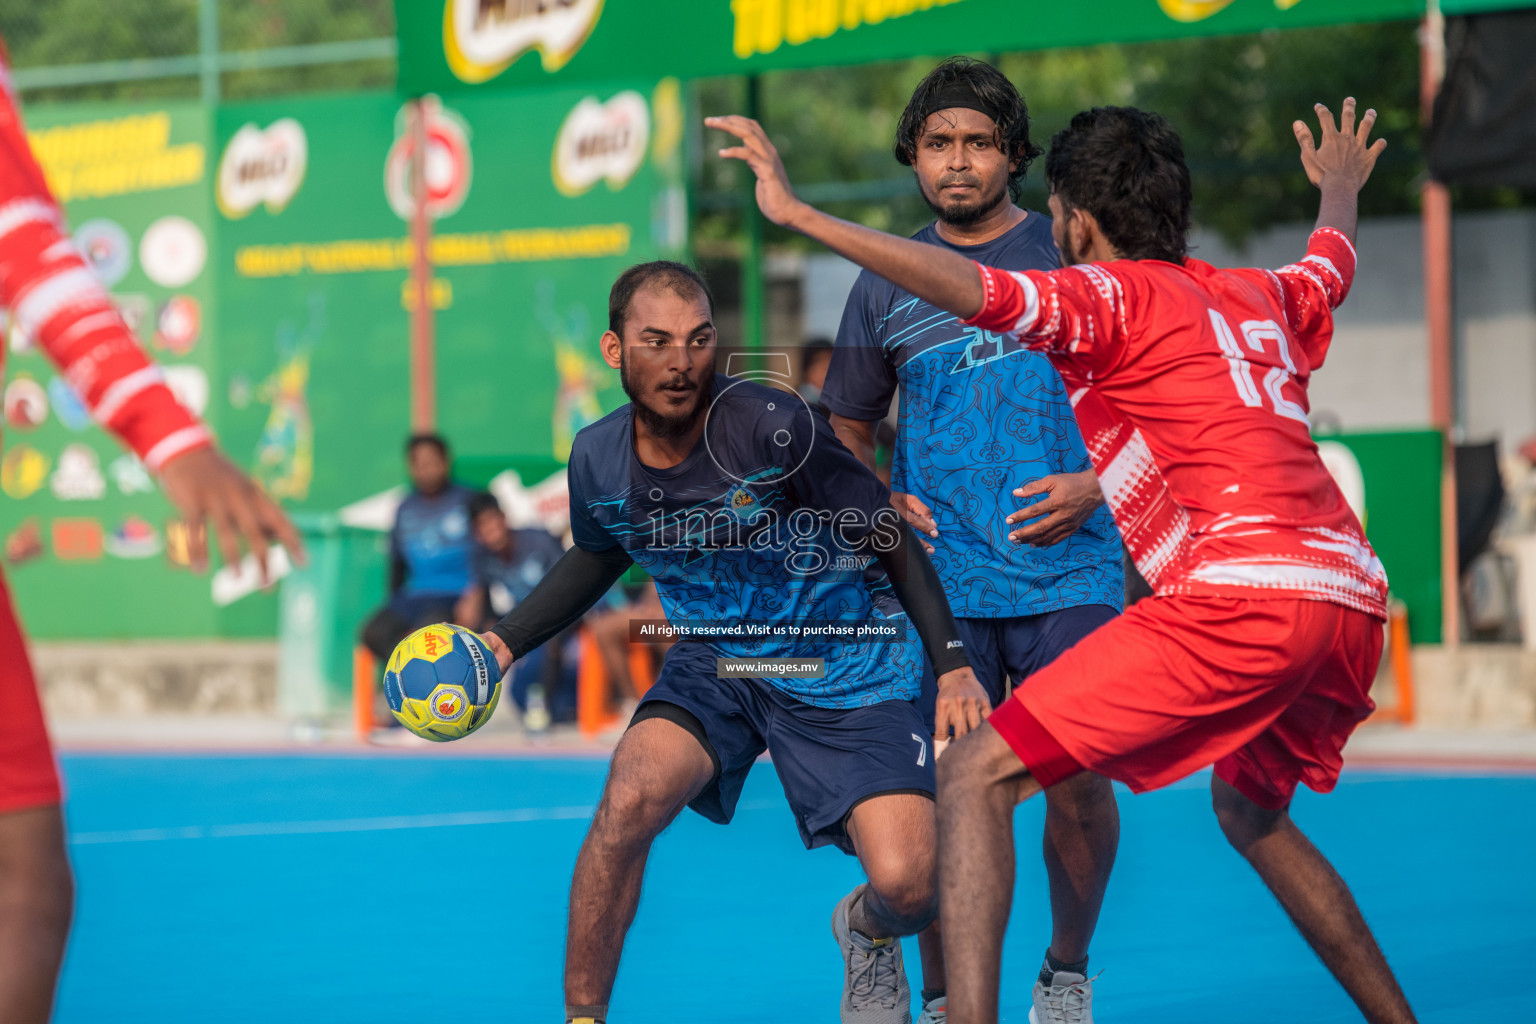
(442, 682)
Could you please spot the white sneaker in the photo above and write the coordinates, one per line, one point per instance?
(1067, 1000)
(935, 1011)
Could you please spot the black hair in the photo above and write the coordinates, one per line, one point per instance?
(993, 90)
(813, 348)
(427, 438)
(1126, 167)
(481, 502)
(679, 278)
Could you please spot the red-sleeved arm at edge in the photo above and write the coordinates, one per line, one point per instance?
(58, 303)
(1076, 314)
(1314, 287)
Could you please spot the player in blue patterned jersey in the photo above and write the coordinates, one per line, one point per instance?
(977, 420)
(749, 513)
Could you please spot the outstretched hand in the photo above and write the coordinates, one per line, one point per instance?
(1340, 156)
(208, 489)
(774, 196)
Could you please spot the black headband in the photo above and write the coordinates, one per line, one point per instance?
(959, 94)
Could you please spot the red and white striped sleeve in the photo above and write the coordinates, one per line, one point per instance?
(1076, 314)
(56, 300)
(1313, 287)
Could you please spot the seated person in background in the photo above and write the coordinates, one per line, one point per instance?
(429, 549)
(505, 566)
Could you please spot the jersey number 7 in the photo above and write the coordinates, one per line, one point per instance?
(1252, 388)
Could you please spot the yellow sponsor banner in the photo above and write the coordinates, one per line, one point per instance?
(762, 26)
(482, 248)
(115, 156)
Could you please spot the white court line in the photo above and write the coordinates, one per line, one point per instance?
(334, 825)
(305, 828)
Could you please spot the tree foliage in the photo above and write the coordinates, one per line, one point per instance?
(62, 32)
(1233, 99)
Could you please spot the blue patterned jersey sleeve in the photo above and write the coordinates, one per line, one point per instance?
(861, 380)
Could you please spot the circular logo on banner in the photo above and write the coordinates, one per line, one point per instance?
(173, 251)
(26, 404)
(262, 167)
(25, 543)
(23, 471)
(449, 164)
(67, 405)
(179, 324)
(481, 38)
(78, 475)
(133, 538)
(107, 249)
(601, 141)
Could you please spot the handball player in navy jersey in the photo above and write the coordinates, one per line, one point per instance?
(745, 508)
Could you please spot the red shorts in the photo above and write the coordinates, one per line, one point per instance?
(1268, 691)
(28, 776)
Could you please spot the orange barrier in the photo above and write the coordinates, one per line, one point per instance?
(1400, 655)
(1402, 660)
(593, 687)
(592, 712)
(363, 687)
(642, 669)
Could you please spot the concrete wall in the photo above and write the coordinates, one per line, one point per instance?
(87, 680)
(1377, 374)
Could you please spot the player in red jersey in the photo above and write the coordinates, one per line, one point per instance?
(55, 299)
(1257, 651)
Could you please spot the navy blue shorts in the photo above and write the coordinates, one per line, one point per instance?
(828, 759)
(1015, 649)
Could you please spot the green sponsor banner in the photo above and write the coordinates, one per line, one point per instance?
(539, 199)
(1400, 487)
(90, 547)
(456, 44)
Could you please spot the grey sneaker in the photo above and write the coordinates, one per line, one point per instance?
(1067, 1000)
(935, 1011)
(874, 979)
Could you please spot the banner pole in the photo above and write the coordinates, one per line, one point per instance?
(423, 368)
(1439, 318)
(752, 332)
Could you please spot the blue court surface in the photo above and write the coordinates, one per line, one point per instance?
(289, 889)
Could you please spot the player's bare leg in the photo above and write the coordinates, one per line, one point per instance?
(895, 837)
(1082, 833)
(981, 781)
(657, 769)
(36, 901)
(1317, 900)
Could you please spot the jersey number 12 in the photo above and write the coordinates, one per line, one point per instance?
(1251, 387)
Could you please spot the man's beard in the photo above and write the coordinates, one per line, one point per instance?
(661, 425)
(965, 214)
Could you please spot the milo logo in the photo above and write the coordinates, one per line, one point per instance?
(601, 142)
(262, 166)
(482, 38)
